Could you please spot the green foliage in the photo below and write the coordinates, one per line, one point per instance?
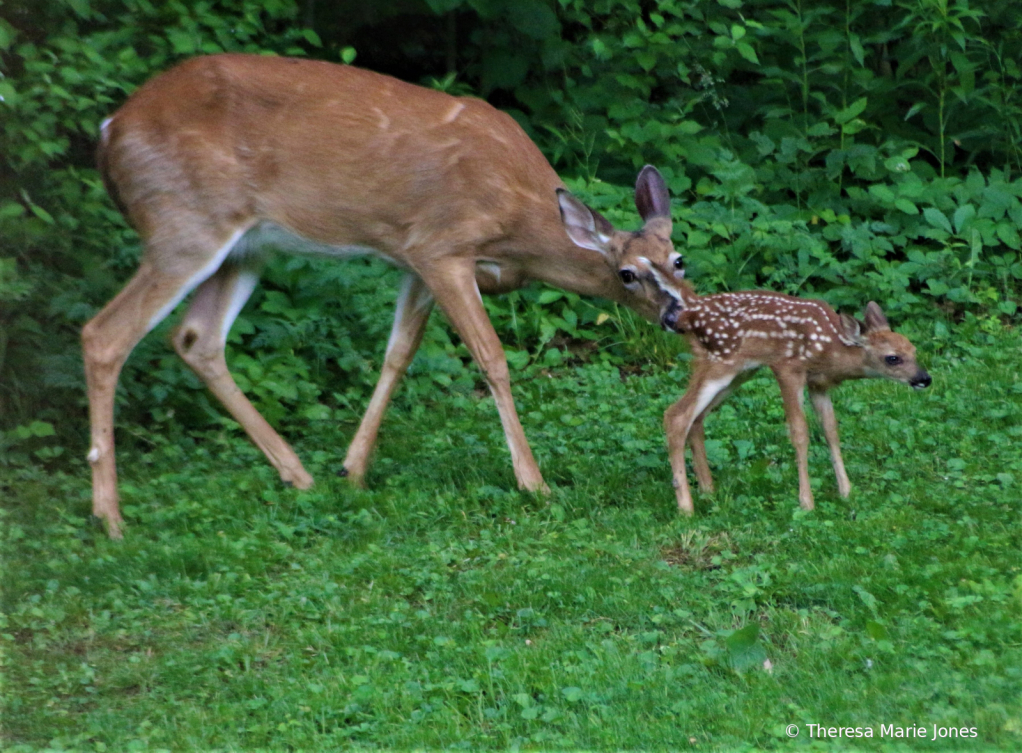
(855, 151)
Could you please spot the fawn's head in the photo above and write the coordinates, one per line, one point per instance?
(885, 353)
(628, 253)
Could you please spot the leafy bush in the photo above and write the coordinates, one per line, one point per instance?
(861, 151)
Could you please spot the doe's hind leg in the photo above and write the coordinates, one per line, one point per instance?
(200, 340)
(165, 276)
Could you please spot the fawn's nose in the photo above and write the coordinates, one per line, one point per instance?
(669, 318)
(921, 380)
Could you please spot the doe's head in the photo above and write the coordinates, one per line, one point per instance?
(625, 252)
(887, 354)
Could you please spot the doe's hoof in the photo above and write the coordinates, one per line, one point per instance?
(343, 473)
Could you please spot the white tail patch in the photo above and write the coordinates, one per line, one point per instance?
(104, 129)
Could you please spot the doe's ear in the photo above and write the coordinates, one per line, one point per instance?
(851, 331)
(651, 196)
(586, 227)
(875, 319)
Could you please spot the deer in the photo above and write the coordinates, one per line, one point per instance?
(223, 159)
(804, 342)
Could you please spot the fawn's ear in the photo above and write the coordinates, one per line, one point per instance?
(875, 319)
(586, 227)
(851, 331)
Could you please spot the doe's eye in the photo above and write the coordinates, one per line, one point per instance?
(627, 276)
(892, 360)
(679, 263)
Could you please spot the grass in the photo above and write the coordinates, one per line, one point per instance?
(441, 609)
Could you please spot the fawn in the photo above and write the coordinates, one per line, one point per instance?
(804, 342)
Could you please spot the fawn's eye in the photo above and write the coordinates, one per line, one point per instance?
(892, 360)
(679, 263)
(627, 276)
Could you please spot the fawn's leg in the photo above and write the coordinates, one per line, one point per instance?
(793, 381)
(697, 437)
(706, 383)
(825, 410)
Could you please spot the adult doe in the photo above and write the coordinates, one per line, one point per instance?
(227, 155)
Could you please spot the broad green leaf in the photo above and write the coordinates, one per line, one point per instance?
(897, 164)
(853, 110)
(866, 598)
(906, 206)
(857, 50)
(962, 216)
(183, 42)
(746, 51)
(41, 429)
(854, 126)
(646, 60)
(914, 109)
(316, 412)
(937, 219)
(11, 209)
(1008, 234)
(960, 62)
(572, 694)
(744, 649)
(41, 213)
(8, 94)
(549, 296)
(876, 631)
(7, 35)
(882, 193)
(744, 638)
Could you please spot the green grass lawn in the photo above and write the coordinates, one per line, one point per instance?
(440, 608)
